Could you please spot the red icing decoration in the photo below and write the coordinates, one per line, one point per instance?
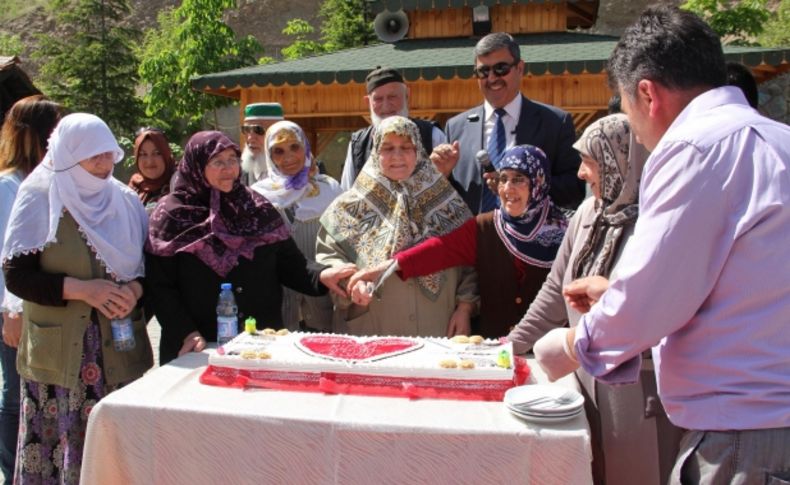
(349, 348)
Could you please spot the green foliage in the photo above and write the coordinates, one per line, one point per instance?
(10, 45)
(345, 24)
(190, 40)
(737, 22)
(301, 46)
(776, 32)
(93, 67)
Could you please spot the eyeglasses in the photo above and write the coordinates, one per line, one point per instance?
(515, 180)
(390, 150)
(499, 69)
(257, 129)
(220, 164)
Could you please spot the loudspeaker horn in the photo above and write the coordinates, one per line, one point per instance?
(391, 26)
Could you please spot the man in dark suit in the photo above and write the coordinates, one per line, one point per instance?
(499, 69)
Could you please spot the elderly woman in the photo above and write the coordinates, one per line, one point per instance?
(631, 434)
(23, 142)
(398, 200)
(155, 166)
(301, 194)
(74, 254)
(512, 248)
(212, 229)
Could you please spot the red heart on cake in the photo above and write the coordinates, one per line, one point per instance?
(353, 349)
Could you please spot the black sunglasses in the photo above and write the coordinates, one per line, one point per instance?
(257, 129)
(499, 69)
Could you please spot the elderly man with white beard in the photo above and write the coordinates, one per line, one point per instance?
(258, 117)
(387, 96)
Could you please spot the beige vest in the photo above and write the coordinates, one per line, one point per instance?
(50, 350)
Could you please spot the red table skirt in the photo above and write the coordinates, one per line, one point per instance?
(335, 383)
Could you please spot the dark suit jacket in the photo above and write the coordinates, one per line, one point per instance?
(541, 125)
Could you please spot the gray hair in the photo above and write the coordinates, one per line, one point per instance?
(495, 41)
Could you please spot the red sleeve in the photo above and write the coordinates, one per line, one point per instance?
(457, 248)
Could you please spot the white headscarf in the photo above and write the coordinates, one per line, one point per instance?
(309, 194)
(108, 213)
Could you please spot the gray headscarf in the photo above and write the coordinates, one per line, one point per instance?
(610, 142)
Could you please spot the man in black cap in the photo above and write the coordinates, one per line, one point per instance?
(387, 96)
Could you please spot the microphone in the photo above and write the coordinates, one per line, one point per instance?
(485, 161)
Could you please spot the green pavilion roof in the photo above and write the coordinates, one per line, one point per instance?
(377, 6)
(550, 53)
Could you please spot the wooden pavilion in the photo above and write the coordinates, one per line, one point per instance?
(565, 68)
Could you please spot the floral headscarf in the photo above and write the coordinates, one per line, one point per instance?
(150, 189)
(535, 236)
(310, 194)
(216, 227)
(378, 217)
(611, 143)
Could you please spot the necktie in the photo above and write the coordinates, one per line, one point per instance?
(495, 147)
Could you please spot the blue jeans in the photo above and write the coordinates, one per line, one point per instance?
(9, 409)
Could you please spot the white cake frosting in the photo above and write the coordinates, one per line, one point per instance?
(409, 357)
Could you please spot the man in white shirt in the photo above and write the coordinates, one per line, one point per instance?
(705, 279)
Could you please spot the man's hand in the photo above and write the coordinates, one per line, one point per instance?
(331, 277)
(583, 293)
(492, 181)
(194, 342)
(554, 353)
(12, 328)
(445, 157)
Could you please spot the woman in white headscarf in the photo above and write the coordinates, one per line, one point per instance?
(74, 255)
(631, 434)
(301, 194)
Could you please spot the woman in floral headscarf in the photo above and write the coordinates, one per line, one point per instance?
(631, 434)
(512, 248)
(399, 199)
(209, 230)
(301, 194)
(74, 254)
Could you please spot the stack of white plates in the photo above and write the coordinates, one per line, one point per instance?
(544, 403)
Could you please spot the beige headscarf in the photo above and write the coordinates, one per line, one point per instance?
(378, 217)
(610, 142)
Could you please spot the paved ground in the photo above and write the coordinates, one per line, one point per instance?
(154, 332)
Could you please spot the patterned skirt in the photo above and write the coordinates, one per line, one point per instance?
(53, 420)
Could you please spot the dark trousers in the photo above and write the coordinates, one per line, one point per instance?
(9, 409)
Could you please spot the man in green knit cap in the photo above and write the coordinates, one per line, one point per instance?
(258, 117)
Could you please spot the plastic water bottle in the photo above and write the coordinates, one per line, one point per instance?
(122, 334)
(227, 320)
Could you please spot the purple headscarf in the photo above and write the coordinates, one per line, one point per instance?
(216, 227)
(535, 236)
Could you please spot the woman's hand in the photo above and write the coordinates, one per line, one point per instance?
(370, 274)
(194, 342)
(583, 293)
(461, 319)
(361, 293)
(12, 329)
(111, 299)
(330, 277)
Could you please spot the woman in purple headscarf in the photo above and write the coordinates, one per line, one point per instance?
(210, 230)
(511, 248)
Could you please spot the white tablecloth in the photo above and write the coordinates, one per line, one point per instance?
(167, 428)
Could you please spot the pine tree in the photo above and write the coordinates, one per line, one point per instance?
(93, 68)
